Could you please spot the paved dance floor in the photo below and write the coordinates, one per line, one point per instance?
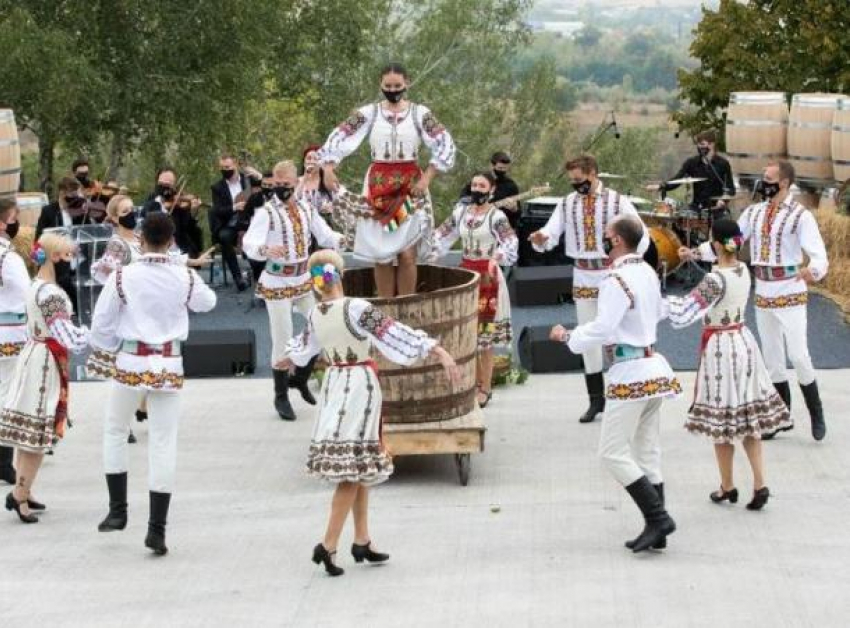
(534, 540)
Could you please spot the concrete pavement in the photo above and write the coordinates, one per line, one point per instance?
(534, 540)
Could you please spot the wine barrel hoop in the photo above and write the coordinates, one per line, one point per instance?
(10, 155)
(430, 368)
(427, 405)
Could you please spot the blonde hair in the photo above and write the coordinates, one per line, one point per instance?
(55, 242)
(327, 256)
(113, 206)
(287, 166)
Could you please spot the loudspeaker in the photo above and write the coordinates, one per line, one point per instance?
(538, 354)
(541, 285)
(219, 352)
(534, 217)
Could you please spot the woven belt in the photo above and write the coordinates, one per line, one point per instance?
(624, 353)
(775, 273)
(12, 318)
(592, 264)
(286, 270)
(169, 349)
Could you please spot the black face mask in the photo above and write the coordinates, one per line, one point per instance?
(128, 221)
(12, 229)
(769, 190)
(607, 245)
(63, 271)
(283, 192)
(74, 202)
(83, 179)
(478, 197)
(394, 96)
(267, 193)
(703, 151)
(500, 175)
(227, 174)
(582, 187)
(165, 191)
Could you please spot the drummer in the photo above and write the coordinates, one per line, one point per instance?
(716, 185)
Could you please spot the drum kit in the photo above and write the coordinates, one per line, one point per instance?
(673, 225)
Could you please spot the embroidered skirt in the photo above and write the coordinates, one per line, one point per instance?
(382, 238)
(28, 417)
(734, 396)
(494, 305)
(346, 444)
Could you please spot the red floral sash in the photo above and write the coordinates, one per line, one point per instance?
(60, 354)
(488, 289)
(389, 185)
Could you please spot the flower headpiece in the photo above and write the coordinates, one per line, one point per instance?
(37, 254)
(734, 243)
(324, 275)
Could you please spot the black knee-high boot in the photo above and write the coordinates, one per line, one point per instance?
(7, 469)
(281, 395)
(300, 381)
(813, 403)
(155, 540)
(117, 517)
(595, 383)
(659, 488)
(658, 524)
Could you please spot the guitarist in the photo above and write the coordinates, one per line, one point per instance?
(506, 187)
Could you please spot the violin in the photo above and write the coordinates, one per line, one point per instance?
(97, 197)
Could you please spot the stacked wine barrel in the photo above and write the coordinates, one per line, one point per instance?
(814, 135)
(10, 155)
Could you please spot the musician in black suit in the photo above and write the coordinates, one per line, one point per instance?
(187, 231)
(227, 204)
(716, 171)
(67, 210)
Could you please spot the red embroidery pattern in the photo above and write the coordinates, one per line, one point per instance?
(766, 228)
(589, 222)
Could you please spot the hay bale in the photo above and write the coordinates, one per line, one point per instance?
(835, 229)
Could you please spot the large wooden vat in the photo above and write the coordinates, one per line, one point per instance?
(10, 155)
(446, 307)
(756, 128)
(810, 135)
(840, 140)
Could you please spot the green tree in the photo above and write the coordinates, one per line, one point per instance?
(51, 86)
(770, 45)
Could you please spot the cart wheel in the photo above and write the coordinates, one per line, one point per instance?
(462, 464)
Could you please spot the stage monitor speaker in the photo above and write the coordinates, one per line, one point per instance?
(538, 354)
(541, 285)
(220, 352)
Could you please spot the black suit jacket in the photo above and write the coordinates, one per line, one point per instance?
(187, 232)
(51, 217)
(221, 211)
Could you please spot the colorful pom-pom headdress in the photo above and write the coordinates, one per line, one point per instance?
(324, 275)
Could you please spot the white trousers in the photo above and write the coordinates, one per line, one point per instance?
(780, 327)
(586, 310)
(163, 422)
(630, 443)
(280, 321)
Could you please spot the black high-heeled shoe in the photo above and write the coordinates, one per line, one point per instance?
(364, 552)
(759, 499)
(723, 495)
(34, 505)
(322, 555)
(14, 504)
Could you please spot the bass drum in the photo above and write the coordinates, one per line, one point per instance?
(663, 251)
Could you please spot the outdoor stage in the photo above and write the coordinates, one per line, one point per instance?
(534, 540)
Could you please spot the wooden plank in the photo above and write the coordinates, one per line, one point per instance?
(424, 443)
(464, 435)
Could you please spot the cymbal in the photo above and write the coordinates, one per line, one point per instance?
(687, 180)
(609, 175)
(637, 200)
(727, 197)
